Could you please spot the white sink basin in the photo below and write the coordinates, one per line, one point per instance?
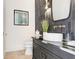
(53, 36)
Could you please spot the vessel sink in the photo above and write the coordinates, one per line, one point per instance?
(54, 37)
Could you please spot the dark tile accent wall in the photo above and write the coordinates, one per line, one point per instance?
(68, 22)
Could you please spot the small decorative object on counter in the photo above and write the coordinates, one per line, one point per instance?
(68, 37)
(37, 34)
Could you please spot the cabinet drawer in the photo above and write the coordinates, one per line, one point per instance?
(46, 54)
(43, 55)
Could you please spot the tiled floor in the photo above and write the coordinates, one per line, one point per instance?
(17, 55)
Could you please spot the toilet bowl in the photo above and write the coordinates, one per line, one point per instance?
(28, 47)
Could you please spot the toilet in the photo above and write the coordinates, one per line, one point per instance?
(28, 46)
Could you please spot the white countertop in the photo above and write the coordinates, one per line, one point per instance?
(68, 50)
(60, 46)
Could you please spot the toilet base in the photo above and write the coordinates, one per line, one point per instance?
(28, 51)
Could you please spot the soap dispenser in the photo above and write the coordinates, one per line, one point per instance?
(67, 38)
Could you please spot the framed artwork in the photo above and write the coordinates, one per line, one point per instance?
(21, 17)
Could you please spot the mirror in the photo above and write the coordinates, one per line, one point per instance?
(60, 9)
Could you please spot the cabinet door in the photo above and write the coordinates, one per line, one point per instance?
(52, 56)
(43, 55)
(36, 51)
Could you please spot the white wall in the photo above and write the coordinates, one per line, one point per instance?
(14, 39)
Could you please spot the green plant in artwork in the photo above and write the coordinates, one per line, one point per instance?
(45, 25)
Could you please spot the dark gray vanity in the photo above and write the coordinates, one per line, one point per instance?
(49, 51)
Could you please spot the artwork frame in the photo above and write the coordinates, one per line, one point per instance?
(21, 18)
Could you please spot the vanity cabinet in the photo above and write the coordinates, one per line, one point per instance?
(48, 51)
(40, 52)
